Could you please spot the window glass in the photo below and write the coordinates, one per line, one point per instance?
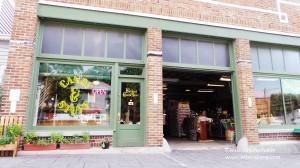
(115, 48)
(134, 46)
(52, 39)
(94, 43)
(291, 90)
(291, 58)
(265, 60)
(130, 103)
(206, 53)
(131, 71)
(188, 51)
(277, 60)
(73, 95)
(269, 102)
(255, 62)
(221, 54)
(72, 41)
(170, 50)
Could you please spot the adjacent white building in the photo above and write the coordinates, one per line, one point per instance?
(6, 23)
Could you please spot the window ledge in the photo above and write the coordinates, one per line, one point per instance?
(71, 133)
(275, 130)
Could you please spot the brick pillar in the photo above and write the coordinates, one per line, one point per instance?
(154, 128)
(20, 58)
(246, 88)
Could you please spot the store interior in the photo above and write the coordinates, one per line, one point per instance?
(197, 106)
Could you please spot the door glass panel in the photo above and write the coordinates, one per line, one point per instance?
(130, 103)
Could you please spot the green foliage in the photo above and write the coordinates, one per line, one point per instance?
(14, 130)
(5, 140)
(57, 138)
(43, 142)
(31, 138)
(85, 137)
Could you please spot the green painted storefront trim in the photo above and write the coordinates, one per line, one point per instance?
(83, 15)
(296, 130)
(196, 67)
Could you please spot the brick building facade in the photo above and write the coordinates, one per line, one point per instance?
(242, 23)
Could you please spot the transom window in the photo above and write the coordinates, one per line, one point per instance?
(275, 59)
(186, 51)
(92, 42)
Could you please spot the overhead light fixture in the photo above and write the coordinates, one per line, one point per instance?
(267, 79)
(165, 88)
(96, 82)
(225, 78)
(205, 91)
(165, 85)
(170, 79)
(215, 85)
(187, 90)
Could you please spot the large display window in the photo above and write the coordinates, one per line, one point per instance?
(277, 101)
(73, 95)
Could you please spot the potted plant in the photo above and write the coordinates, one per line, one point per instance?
(33, 143)
(76, 142)
(105, 144)
(10, 140)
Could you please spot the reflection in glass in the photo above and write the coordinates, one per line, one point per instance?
(291, 90)
(130, 103)
(188, 51)
(73, 95)
(115, 44)
(170, 50)
(131, 71)
(221, 54)
(52, 36)
(72, 41)
(255, 62)
(94, 43)
(134, 46)
(265, 60)
(269, 102)
(206, 53)
(291, 58)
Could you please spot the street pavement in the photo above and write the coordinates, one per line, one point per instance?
(175, 159)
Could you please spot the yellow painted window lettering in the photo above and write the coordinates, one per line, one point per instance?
(130, 93)
(82, 81)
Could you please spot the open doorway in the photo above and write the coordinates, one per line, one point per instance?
(198, 108)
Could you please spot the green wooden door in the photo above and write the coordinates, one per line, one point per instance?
(130, 122)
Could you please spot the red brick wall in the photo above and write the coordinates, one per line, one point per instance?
(154, 128)
(20, 59)
(202, 11)
(246, 89)
(21, 52)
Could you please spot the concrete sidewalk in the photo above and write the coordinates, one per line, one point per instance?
(175, 159)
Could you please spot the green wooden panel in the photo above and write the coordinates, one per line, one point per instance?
(72, 14)
(130, 137)
(296, 130)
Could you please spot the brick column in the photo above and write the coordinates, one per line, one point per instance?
(20, 58)
(154, 128)
(246, 88)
